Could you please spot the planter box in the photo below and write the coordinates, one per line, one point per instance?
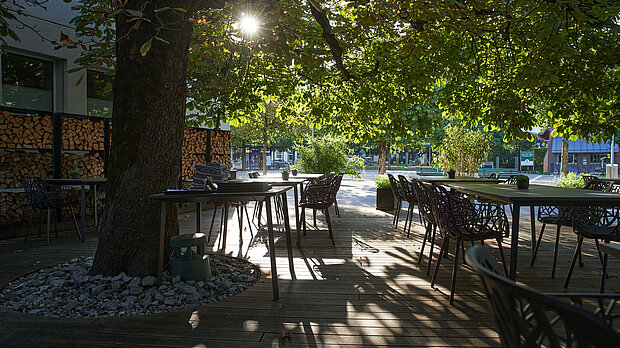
(385, 199)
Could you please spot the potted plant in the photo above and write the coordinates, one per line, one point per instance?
(75, 174)
(451, 173)
(385, 196)
(294, 170)
(523, 181)
(285, 174)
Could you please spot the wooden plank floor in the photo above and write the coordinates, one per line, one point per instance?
(368, 290)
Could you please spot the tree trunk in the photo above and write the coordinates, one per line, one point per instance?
(148, 117)
(381, 157)
(564, 160)
(264, 154)
(243, 157)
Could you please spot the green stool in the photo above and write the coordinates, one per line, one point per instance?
(190, 264)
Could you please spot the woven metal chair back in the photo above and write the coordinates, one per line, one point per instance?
(588, 178)
(598, 185)
(407, 189)
(599, 222)
(492, 176)
(37, 192)
(424, 201)
(512, 180)
(321, 196)
(528, 318)
(396, 189)
(218, 171)
(464, 220)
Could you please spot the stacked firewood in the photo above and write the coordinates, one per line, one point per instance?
(188, 165)
(15, 164)
(25, 132)
(90, 164)
(82, 134)
(194, 140)
(220, 143)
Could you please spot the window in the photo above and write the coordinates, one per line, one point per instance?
(597, 157)
(27, 83)
(585, 160)
(99, 94)
(572, 158)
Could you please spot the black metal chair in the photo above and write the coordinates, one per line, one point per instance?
(409, 196)
(463, 220)
(426, 210)
(561, 216)
(397, 191)
(598, 223)
(320, 197)
(43, 196)
(512, 180)
(527, 318)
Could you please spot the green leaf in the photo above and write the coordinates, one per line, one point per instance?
(162, 40)
(162, 9)
(146, 47)
(135, 13)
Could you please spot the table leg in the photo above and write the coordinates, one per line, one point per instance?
(272, 251)
(198, 217)
(297, 215)
(82, 212)
(94, 189)
(225, 231)
(514, 242)
(533, 227)
(162, 233)
(604, 278)
(289, 244)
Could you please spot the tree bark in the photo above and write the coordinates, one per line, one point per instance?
(381, 157)
(243, 157)
(149, 117)
(564, 160)
(264, 155)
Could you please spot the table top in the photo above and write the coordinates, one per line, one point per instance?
(214, 196)
(538, 194)
(445, 179)
(274, 180)
(71, 181)
(305, 176)
(611, 249)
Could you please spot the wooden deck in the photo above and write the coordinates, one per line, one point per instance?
(369, 290)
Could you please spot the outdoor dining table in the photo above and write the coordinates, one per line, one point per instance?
(82, 182)
(293, 181)
(535, 195)
(459, 179)
(199, 197)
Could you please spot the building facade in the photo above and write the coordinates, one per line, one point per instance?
(583, 157)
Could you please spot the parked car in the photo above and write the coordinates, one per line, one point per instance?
(278, 164)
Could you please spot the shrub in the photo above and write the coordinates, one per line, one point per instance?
(328, 154)
(463, 150)
(383, 182)
(571, 180)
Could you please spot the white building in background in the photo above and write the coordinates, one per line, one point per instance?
(35, 76)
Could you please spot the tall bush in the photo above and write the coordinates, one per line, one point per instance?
(463, 150)
(328, 154)
(570, 180)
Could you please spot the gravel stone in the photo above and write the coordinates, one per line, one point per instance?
(67, 290)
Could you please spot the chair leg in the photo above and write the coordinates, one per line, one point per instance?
(555, 251)
(247, 215)
(75, 223)
(455, 267)
(444, 244)
(400, 207)
(598, 250)
(426, 236)
(410, 215)
(395, 214)
(542, 230)
(329, 226)
(407, 219)
(303, 220)
(501, 254)
(212, 222)
(47, 231)
(420, 216)
(430, 255)
(574, 260)
(336, 207)
(29, 224)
